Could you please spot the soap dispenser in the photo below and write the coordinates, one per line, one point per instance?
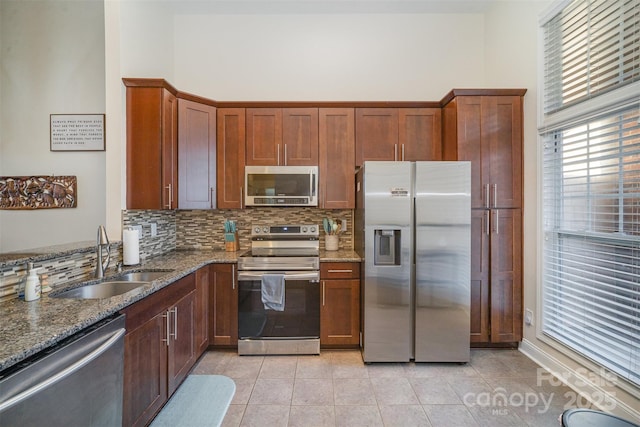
(32, 287)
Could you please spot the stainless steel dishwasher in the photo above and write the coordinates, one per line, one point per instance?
(77, 382)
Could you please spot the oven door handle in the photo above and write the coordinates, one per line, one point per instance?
(313, 276)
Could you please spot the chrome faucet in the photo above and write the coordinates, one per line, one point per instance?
(102, 243)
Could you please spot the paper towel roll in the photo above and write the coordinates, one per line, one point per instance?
(130, 247)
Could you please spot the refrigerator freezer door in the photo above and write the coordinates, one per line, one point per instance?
(388, 201)
(442, 242)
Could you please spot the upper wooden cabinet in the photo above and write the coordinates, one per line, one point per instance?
(337, 158)
(230, 157)
(401, 134)
(376, 134)
(152, 143)
(419, 134)
(282, 136)
(487, 130)
(196, 155)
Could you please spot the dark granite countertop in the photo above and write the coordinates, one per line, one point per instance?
(29, 327)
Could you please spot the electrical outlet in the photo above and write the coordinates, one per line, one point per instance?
(154, 229)
(528, 317)
(138, 228)
(343, 225)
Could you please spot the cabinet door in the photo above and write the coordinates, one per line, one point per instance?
(300, 136)
(340, 312)
(152, 131)
(419, 134)
(197, 155)
(480, 286)
(145, 372)
(337, 158)
(376, 134)
(470, 147)
(506, 275)
(223, 329)
(201, 334)
(181, 355)
(502, 149)
(230, 157)
(264, 136)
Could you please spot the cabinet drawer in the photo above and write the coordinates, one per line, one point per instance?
(339, 270)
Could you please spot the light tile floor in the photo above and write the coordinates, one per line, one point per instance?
(497, 388)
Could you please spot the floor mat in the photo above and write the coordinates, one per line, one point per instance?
(201, 400)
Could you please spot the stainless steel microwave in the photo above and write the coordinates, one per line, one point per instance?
(281, 185)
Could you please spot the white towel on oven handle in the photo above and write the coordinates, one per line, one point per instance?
(273, 288)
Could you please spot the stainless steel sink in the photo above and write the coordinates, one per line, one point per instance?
(103, 290)
(142, 276)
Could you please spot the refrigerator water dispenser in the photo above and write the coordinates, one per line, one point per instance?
(386, 247)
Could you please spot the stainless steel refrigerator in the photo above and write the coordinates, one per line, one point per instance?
(413, 230)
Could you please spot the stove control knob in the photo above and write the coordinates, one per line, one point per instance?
(313, 229)
(256, 230)
(304, 229)
(265, 229)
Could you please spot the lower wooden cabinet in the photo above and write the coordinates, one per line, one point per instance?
(201, 326)
(496, 276)
(223, 306)
(340, 304)
(159, 349)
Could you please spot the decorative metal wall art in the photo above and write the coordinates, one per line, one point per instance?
(38, 192)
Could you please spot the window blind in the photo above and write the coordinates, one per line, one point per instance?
(591, 182)
(592, 239)
(590, 47)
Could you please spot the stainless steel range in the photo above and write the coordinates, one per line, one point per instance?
(279, 291)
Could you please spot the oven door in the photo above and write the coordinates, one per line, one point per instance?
(300, 317)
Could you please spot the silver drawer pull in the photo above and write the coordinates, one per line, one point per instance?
(339, 271)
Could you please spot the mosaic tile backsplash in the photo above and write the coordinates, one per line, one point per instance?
(179, 229)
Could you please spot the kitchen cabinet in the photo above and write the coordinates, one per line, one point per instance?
(159, 349)
(486, 129)
(282, 136)
(337, 158)
(196, 155)
(496, 276)
(376, 134)
(398, 134)
(201, 326)
(340, 304)
(419, 134)
(152, 143)
(230, 157)
(223, 304)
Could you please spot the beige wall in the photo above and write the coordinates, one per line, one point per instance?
(52, 62)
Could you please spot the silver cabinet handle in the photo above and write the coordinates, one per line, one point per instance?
(403, 152)
(233, 278)
(241, 193)
(395, 152)
(285, 154)
(323, 293)
(495, 195)
(64, 373)
(486, 196)
(213, 197)
(168, 325)
(486, 223)
(340, 271)
(278, 154)
(175, 323)
(170, 192)
(496, 223)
